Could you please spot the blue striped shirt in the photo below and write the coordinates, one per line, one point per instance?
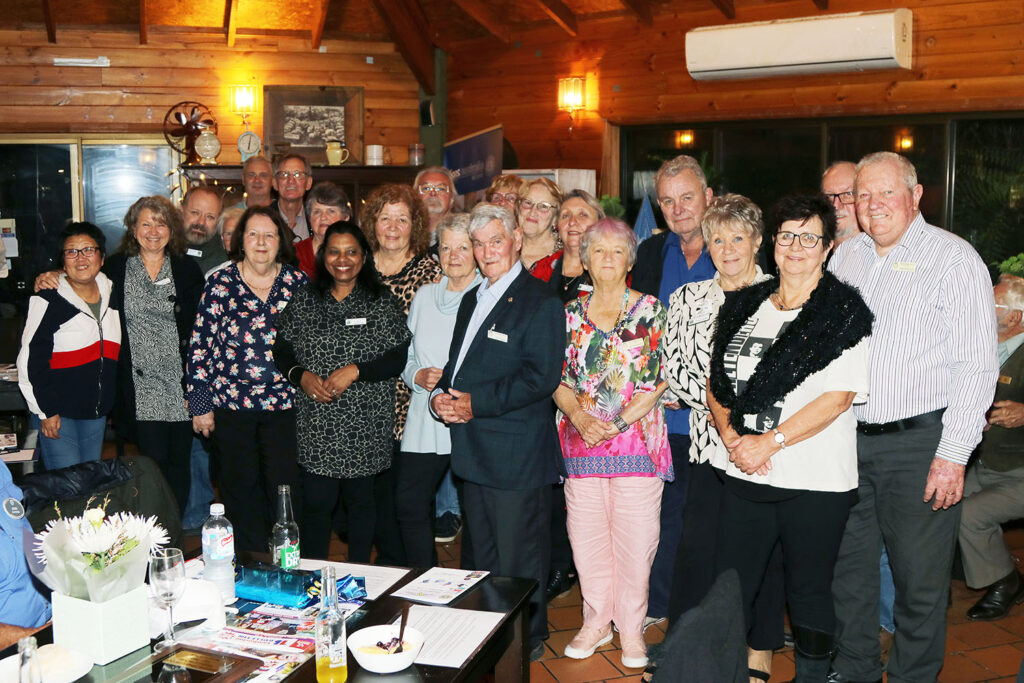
(933, 345)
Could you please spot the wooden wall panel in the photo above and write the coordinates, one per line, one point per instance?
(142, 82)
(968, 56)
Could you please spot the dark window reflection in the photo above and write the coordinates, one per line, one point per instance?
(765, 164)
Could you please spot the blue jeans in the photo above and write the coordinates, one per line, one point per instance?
(200, 490)
(887, 596)
(77, 441)
(447, 499)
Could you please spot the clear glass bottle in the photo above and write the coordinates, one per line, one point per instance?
(29, 670)
(331, 657)
(284, 538)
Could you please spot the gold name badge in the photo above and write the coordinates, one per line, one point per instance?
(1005, 379)
(904, 266)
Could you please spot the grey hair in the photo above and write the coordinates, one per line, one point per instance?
(906, 169)
(609, 227)
(252, 160)
(279, 162)
(329, 194)
(1014, 296)
(674, 167)
(587, 198)
(485, 213)
(836, 164)
(227, 214)
(733, 211)
(436, 169)
(457, 223)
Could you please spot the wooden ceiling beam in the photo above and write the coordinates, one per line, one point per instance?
(560, 14)
(51, 28)
(231, 20)
(408, 26)
(821, 4)
(727, 8)
(642, 10)
(485, 16)
(143, 29)
(318, 26)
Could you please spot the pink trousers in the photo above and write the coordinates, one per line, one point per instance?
(613, 527)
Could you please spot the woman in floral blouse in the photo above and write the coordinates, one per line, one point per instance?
(614, 441)
(397, 228)
(234, 389)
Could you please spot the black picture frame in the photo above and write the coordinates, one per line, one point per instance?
(302, 119)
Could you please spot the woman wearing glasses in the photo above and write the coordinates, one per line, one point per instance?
(536, 212)
(68, 360)
(564, 268)
(789, 358)
(505, 190)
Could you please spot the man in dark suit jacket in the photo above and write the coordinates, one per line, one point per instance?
(504, 365)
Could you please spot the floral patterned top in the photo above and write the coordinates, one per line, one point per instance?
(404, 284)
(230, 360)
(605, 370)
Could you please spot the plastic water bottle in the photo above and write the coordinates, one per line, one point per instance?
(284, 538)
(219, 552)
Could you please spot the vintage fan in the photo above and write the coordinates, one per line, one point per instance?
(182, 125)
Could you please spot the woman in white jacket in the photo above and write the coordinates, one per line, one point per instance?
(69, 350)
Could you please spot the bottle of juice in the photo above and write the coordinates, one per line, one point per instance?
(331, 656)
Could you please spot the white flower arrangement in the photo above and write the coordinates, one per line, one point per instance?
(96, 557)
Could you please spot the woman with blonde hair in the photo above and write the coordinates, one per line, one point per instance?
(505, 190)
(536, 211)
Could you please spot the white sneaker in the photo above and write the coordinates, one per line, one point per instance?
(586, 642)
(651, 621)
(634, 653)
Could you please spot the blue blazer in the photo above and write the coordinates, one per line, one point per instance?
(511, 442)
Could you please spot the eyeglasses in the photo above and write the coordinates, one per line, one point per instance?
(433, 189)
(808, 240)
(844, 197)
(498, 197)
(84, 251)
(297, 175)
(543, 207)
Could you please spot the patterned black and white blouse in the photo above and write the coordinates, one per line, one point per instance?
(692, 311)
(352, 436)
(156, 364)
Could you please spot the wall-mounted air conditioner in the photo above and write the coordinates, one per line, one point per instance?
(857, 41)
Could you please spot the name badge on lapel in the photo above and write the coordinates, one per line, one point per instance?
(1005, 379)
(904, 266)
(497, 336)
(14, 508)
(701, 313)
(194, 252)
(586, 288)
(355, 321)
(161, 283)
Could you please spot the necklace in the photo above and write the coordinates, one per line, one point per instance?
(568, 282)
(252, 285)
(618, 318)
(777, 300)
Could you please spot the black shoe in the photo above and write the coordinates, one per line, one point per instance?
(560, 582)
(447, 527)
(836, 677)
(536, 652)
(999, 598)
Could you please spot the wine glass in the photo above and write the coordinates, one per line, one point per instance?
(167, 577)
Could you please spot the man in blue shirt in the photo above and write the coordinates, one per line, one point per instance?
(23, 608)
(664, 263)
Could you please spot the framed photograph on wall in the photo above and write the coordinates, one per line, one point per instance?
(302, 119)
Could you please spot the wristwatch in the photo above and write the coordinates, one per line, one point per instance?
(780, 438)
(620, 423)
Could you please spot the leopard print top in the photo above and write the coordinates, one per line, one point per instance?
(404, 284)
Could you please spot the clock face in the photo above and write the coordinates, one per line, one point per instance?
(249, 144)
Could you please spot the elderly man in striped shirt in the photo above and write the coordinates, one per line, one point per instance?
(933, 373)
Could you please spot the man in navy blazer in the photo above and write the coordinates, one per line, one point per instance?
(504, 365)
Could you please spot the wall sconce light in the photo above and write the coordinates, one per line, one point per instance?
(243, 102)
(571, 96)
(684, 138)
(904, 141)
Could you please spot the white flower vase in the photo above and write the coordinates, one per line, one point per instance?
(102, 631)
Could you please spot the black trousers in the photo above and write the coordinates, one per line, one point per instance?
(511, 537)
(320, 496)
(256, 452)
(170, 444)
(417, 477)
(893, 469)
(694, 571)
(809, 526)
(673, 498)
(388, 537)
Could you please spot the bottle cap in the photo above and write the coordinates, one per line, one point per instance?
(284, 488)
(216, 508)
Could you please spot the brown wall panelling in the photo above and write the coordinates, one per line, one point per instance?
(968, 56)
(142, 82)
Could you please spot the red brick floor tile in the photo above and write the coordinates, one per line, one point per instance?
(631, 679)
(954, 644)
(654, 635)
(1001, 659)
(540, 674)
(562, 618)
(616, 659)
(573, 597)
(595, 668)
(982, 634)
(549, 653)
(959, 669)
(1014, 622)
(783, 668)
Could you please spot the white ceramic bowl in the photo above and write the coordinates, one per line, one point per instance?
(382, 663)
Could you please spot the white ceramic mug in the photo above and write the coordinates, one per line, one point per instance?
(375, 155)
